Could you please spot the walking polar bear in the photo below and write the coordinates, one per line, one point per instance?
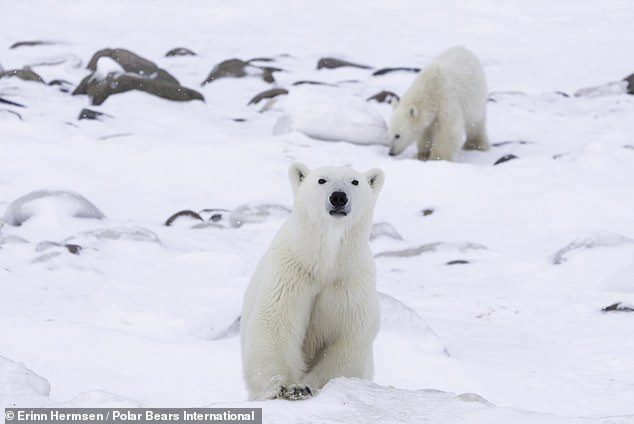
(310, 312)
(446, 101)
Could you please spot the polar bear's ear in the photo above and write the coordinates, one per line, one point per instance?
(394, 102)
(376, 178)
(297, 172)
(413, 111)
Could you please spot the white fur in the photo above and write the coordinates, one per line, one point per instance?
(446, 101)
(310, 312)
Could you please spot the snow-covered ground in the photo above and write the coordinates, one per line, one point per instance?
(145, 314)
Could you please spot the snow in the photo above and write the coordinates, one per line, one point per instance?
(474, 311)
(106, 66)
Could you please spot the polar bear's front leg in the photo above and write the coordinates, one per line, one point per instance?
(273, 361)
(350, 356)
(425, 142)
(448, 137)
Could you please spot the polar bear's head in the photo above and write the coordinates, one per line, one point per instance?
(335, 194)
(407, 124)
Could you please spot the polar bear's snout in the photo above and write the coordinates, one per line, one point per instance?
(397, 145)
(339, 204)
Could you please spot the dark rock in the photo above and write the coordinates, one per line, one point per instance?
(239, 120)
(25, 74)
(504, 143)
(384, 71)
(117, 135)
(237, 68)
(505, 158)
(630, 84)
(232, 68)
(384, 97)
(214, 215)
(618, 307)
(130, 62)
(185, 213)
(427, 212)
(457, 262)
(101, 90)
(140, 74)
(349, 81)
(31, 44)
(75, 249)
(64, 86)
(45, 245)
(308, 82)
(180, 51)
(260, 59)
(332, 63)
(9, 102)
(562, 94)
(12, 112)
(92, 114)
(268, 94)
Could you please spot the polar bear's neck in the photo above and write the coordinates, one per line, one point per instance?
(323, 249)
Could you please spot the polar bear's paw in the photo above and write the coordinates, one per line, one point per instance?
(294, 392)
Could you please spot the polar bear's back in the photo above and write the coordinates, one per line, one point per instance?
(455, 75)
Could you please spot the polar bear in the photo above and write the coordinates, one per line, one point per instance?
(310, 312)
(446, 101)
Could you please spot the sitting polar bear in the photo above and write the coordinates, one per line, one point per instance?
(310, 312)
(446, 101)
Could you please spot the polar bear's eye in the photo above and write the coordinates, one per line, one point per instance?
(322, 181)
(355, 182)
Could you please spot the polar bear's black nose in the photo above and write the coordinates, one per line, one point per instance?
(338, 199)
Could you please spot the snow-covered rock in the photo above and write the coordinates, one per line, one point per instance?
(61, 203)
(330, 114)
(350, 400)
(114, 233)
(21, 386)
